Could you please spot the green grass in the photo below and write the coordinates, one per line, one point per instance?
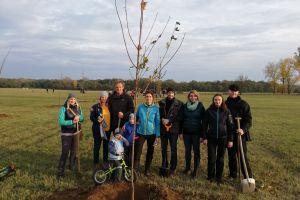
(30, 139)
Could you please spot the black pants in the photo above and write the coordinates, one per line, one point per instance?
(232, 159)
(192, 141)
(139, 147)
(67, 147)
(128, 155)
(165, 140)
(117, 174)
(216, 150)
(97, 145)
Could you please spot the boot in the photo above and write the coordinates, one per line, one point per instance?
(136, 166)
(60, 171)
(194, 173)
(147, 167)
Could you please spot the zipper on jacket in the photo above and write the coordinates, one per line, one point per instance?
(218, 123)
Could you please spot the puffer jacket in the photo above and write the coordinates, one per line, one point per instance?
(192, 121)
(218, 124)
(65, 119)
(149, 120)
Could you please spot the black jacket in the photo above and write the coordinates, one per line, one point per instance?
(96, 111)
(173, 115)
(192, 121)
(119, 103)
(240, 108)
(218, 124)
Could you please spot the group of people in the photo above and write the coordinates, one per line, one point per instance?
(113, 117)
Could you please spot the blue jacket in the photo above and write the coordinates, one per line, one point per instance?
(149, 120)
(128, 132)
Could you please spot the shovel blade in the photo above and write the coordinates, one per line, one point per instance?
(248, 185)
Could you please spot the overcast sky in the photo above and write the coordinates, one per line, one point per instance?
(50, 39)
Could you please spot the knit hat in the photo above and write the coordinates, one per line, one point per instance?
(103, 93)
(233, 87)
(131, 115)
(71, 95)
(169, 89)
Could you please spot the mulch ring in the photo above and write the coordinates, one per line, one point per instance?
(117, 191)
(4, 115)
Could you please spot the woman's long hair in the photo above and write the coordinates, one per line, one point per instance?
(223, 105)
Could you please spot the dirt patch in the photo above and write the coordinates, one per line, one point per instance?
(118, 191)
(4, 116)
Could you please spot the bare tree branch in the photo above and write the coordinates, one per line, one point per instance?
(150, 30)
(127, 25)
(3, 61)
(124, 40)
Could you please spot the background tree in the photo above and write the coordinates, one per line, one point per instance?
(272, 75)
(288, 74)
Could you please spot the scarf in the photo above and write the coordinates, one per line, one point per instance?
(192, 106)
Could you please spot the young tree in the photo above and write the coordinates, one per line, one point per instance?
(142, 47)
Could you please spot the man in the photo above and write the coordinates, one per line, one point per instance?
(169, 109)
(239, 108)
(120, 106)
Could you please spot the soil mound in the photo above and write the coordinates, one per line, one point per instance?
(4, 115)
(118, 191)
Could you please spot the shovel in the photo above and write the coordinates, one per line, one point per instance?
(247, 184)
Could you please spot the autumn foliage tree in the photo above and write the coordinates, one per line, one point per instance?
(283, 75)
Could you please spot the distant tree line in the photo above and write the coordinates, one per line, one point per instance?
(107, 84)
(284, 75)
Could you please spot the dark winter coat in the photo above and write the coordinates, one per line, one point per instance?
(119, 103)
(240, 108)
(192, 121)
(218, 124)
(173, 115)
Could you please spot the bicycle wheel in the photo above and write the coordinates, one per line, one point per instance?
(99, 177)
(128, 174)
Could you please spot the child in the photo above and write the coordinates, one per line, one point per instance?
(116, 152)
(127, 132)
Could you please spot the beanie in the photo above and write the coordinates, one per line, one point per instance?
(103, 93)
(71, 95)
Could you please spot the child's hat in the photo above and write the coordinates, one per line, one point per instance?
(131, 115)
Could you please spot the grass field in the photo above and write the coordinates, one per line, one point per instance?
(30, 139)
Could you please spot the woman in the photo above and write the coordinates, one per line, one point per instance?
(100, 116)
(69, 118)
(192, 117)
(218, 127)
(148, 130)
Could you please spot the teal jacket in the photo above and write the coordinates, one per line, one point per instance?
(149, 120)
(65, 119)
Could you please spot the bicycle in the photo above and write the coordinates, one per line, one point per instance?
(101, 175)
